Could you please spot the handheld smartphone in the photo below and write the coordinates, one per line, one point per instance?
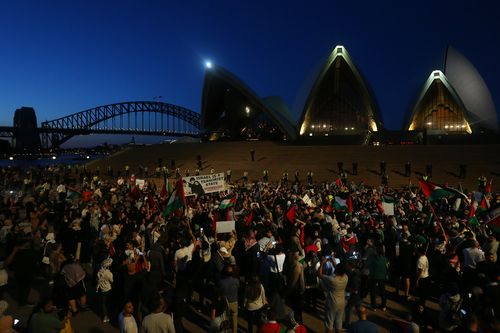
(274, 242)
(328, 257)
(16, 321)
(463, 312)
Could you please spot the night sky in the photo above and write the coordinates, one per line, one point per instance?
(61, 57)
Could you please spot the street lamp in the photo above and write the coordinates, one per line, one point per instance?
(208, 64)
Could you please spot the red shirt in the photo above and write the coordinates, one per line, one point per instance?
(270, 327)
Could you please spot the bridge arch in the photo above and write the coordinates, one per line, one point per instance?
(123, 118)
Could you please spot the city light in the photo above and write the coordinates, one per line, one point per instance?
(208, 64)
(429, 123)
(53, 157)
(347, 128)
(310, 134)
(11, 158)
(247, 110)
(312, 126)
(324, 126)
(352, 128)
(445, 126)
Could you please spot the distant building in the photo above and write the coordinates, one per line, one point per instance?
(232, 111)
(26, 137)
(340, 103)
(456, 101)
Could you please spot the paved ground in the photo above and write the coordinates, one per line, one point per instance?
(322, 160)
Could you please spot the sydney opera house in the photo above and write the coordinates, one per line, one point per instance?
(341, 108)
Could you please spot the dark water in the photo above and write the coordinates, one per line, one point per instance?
(66, 159)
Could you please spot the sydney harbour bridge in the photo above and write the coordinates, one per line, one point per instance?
(135, 118)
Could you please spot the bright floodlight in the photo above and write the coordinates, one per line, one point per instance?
(208, 64)
(53, 157)
(11, 158)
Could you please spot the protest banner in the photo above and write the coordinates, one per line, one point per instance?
(140, 183)
(308, 201)
(223, 227)
(202, 184)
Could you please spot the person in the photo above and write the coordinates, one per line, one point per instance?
(219, 320)
(296, 285)
(266, 176)
(6, 321)
(74, 276)
(271, 324)
(422, 280)
(450, 303)
(229, 286)
(158, 321)
(44, 321)
(377, 265)
(309, 177)
(104, 284)
(334, 287)
(340, 166)
(245, 176)
(363, 325)
(255, 299)
(354, 168)
(297, 178)
(22, 261)
(196, 187)
(408, 169)
(428, 170)
(462, 171)
(383, 167)
(228, 175)
(252, 155)
(126, 320)
(285, 178)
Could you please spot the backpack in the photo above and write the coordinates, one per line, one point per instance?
(310, 274)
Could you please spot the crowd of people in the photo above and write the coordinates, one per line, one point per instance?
(110, 246)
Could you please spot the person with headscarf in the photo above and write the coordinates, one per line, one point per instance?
(104, 285)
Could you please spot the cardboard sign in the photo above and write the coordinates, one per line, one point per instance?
(202, 184)
(224, 227)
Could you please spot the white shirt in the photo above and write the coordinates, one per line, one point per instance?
(423, 264)
(127, 324)
(281, 260)
(472, 256)
(183, 256)
(158, 323)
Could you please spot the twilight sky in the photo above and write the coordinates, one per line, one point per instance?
(62, 56)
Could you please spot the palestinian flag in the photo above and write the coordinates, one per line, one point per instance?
(434, 192)
(177, 199)
(73, 194)
(290, 215)
(488, 187)
(484, 204)
(228, 202)
(338, 182)
(163, 192)
(492, 217)
(340, 203)
(249, 218)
